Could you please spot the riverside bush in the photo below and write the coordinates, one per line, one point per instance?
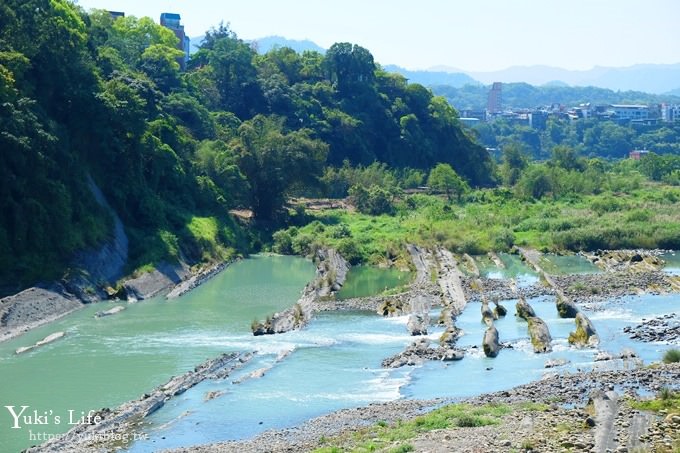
(671, 356)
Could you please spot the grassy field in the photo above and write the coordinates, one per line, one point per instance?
(394, 437)
(495, 220)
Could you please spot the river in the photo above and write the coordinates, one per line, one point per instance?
(333, 363)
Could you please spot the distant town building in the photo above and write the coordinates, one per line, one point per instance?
(629, 111)
(670, 113)
(469, 121)
(173, 22)
(538, 119)
(495, 102)
(116, 14)
(479, 114)
(637, 154)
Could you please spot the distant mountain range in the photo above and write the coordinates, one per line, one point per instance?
(432, 78)
(648, 78)
(268, 43)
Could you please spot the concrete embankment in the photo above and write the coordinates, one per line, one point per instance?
(128, 418)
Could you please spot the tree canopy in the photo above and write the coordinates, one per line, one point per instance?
(84, 95)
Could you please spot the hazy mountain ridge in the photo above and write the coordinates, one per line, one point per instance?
(432, 78)
(268, 43)
(648, 78)
(264, 45)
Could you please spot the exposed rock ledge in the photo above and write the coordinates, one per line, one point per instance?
(197, 280)
(128, 417)
(331, 272)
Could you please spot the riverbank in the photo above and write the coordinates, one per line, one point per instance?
(557, 413)
(34, 307)
(426, 280)
(38, 306)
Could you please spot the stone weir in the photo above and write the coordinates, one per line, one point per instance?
(110, 429)
(331, 272)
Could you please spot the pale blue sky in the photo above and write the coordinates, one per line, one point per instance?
(474, 35)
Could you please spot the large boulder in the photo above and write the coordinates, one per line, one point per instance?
(540, 335)
(524, 310)
(487, 315)
(490, 343)
(391, 307)
(565, 307)
(417, 323)
(499, 311)
(449, 336)
(585, 334)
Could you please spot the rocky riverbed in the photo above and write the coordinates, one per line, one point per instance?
(663, 328)
(588, 411)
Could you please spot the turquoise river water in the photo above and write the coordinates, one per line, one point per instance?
(334, 363)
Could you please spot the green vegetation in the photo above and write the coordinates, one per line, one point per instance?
(85, 96)
(383, 436)
(495, 220)
(589, 137)
(523, 95)
(671, 356)
(666, 399)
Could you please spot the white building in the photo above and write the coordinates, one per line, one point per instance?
(670, 113)
(629, 111)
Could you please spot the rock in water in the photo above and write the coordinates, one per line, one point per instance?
(555, 363)
(540, 335)
(47, 340)
(487, 314)
(499, 311)
(449, 336)
(391, 307)
(112, 311)
(524, 310)
(565, 307)
(490, 344)
(417, 323)
(585, 334)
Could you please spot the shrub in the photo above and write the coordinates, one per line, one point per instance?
(350, 250)
(639, 215)
(605, 204)
(504, 240)
(283, 242)
(672, 356)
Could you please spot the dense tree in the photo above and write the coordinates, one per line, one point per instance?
(85, 97)
(274, 161)
(514, 163)
(444, 179)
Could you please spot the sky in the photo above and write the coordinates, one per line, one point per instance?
(471, 35)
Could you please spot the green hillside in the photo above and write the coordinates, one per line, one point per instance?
(173, 151)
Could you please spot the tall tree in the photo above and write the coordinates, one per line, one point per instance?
(443, 178)
(274, 161)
